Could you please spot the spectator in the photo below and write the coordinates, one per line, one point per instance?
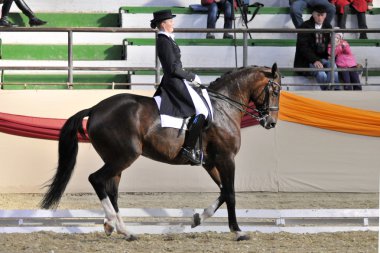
(345, 59)
(33, 20)
(214, 8)
(298, 6)
(359, 7)
(178, 98)
(311, 48)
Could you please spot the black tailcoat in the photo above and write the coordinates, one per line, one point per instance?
(175, 98)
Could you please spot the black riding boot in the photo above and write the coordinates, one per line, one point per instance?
(33, 20)
(188, 149)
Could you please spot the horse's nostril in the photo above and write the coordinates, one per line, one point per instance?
(273, 124)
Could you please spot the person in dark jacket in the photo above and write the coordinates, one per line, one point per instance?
(33, 20)
(312, 48)
(178, 98)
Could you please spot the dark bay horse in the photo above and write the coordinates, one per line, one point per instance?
(125, 126)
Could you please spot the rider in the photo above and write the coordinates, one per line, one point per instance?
(178, 98)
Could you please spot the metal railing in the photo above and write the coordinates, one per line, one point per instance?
(70, 68)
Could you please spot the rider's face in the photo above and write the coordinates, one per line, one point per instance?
(168, 25)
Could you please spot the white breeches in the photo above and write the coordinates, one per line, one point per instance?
(200, 107)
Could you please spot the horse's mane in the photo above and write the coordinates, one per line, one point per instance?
(235, 75)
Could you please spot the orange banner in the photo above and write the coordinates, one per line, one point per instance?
(311, 112)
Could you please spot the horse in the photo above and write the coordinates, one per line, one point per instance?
(125, 126)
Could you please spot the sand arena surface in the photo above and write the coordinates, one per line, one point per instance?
(195, 242)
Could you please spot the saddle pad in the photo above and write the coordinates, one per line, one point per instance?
(170, 121)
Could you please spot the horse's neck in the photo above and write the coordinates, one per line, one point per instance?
(230, 109)
(237, 90)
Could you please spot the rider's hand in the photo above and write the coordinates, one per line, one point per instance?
(197, 80)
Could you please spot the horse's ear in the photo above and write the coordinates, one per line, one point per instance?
(274, 69)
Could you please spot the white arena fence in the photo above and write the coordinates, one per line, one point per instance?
(166, 221)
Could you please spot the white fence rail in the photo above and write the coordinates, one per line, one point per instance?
(162, 221)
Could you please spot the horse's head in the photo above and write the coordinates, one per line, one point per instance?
(266, 98)
(260, 85)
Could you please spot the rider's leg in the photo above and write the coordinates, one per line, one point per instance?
(191, 138)
(195, 128)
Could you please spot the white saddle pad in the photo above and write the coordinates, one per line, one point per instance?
(170, 121)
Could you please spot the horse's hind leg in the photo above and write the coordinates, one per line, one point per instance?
(112, 189)
(99, 181)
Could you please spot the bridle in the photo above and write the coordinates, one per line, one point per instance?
(264, 109)
(261, 110)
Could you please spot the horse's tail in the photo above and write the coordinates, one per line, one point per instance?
(67, 150)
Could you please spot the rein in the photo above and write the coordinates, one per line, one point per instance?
(240, 106)
(262, 111)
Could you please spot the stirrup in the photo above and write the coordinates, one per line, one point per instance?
(191, 156)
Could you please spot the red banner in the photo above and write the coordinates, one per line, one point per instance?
(48, 128)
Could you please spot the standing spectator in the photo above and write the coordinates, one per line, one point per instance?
(345, 59)
(214, 8)
(33, 20)
(311, 48)
(357, 6)
(298, 6)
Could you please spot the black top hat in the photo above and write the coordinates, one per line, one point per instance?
(319, 8)
(159, 16)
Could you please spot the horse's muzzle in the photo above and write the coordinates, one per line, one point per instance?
(268, 122)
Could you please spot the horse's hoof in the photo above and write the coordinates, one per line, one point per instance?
(131, 238)
(196, 220)
(242, 236)
(108, 229)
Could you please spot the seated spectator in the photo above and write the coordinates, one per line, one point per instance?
(298, 6)
(357, 6)
(4, 22)
(311, 48)
(214, 8)
(345, 59)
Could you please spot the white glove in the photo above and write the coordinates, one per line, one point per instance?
(197, 80)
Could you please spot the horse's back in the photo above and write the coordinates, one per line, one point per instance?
(122, 112)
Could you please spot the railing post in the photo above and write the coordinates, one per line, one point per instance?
(366, 71)
(245, 49)
(70, 57)
(332, 58)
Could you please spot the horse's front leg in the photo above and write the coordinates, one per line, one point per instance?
(209, 211)
(227, 176)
